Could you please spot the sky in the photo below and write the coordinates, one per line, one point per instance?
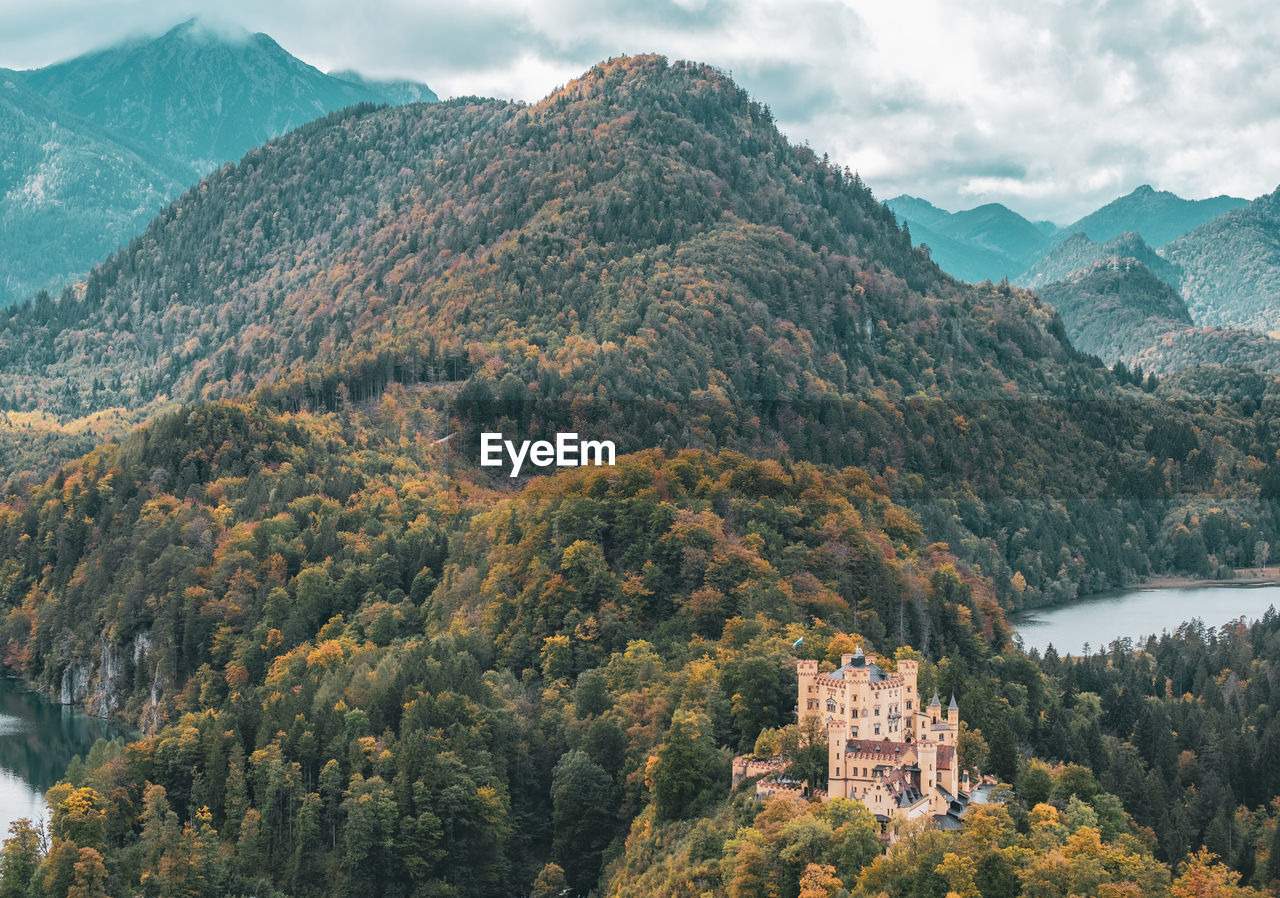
(1053, 107)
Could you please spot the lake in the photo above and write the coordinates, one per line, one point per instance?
(1139, 613)
(38, 739)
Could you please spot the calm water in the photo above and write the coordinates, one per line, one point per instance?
(1139, 613)
(38, 739)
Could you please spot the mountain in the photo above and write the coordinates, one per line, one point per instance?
(917, 211)
(93, 147)
(1158, 215)
(1231, 267)
(1079, 253)
(300, 273)
(959, 258)
(68, 190)
(1000, 228)
(199, 94)
(989, 242)
(397, 92)
(1120, 311)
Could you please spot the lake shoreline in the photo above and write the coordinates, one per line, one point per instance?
(1267, 576)
(1136, 613)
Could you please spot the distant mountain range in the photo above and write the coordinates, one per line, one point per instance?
(992, 241)
(1158, 215)
(92, 148)
(1218, 258)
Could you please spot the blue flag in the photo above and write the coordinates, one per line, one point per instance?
(796, 644)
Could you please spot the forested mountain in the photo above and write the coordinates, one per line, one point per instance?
(1231, 267)
(1121, 312)
(426, 243)
(93, 147)
(1079, 253)
(69, 191)
(986, 243)
(361, 663)
(1158, 215)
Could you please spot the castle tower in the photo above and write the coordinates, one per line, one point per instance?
(928, 763)
(909, 670)
(837, 762)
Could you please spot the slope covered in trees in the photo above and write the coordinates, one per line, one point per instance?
(1231, 267)
(349, 675)
(476, 234)
(1122, 313)
(1079, 253)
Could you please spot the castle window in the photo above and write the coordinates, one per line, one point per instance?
(831, 705)
(908, 704)
(877, 729)
(855, 732)
(877, 710)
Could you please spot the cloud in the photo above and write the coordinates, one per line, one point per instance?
(1053, 108)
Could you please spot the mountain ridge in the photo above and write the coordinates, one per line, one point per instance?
(183, 103)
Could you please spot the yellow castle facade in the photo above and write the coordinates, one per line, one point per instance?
(887, 747)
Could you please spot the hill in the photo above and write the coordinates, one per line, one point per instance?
(1121, 312)
(95, 146)
(1231, 267)
(1158, 215)
(1079, 253)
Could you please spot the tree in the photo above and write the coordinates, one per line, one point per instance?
(1202, 876)
(819, 881)
(90, 876)
(582, 818)
(550, 882)
(20, 858)
(682, 773)
(1035, 785)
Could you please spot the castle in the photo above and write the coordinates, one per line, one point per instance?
(886, 748)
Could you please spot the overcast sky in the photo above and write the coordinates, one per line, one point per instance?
(1052, 107)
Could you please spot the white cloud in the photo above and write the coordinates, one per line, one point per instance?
(1053, 107)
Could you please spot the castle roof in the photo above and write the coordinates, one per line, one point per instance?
(875, 673)
(953, 706)
(933, 702)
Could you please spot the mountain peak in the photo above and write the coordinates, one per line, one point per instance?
(206, 29)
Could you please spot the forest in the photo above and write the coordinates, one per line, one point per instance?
(358, 662)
